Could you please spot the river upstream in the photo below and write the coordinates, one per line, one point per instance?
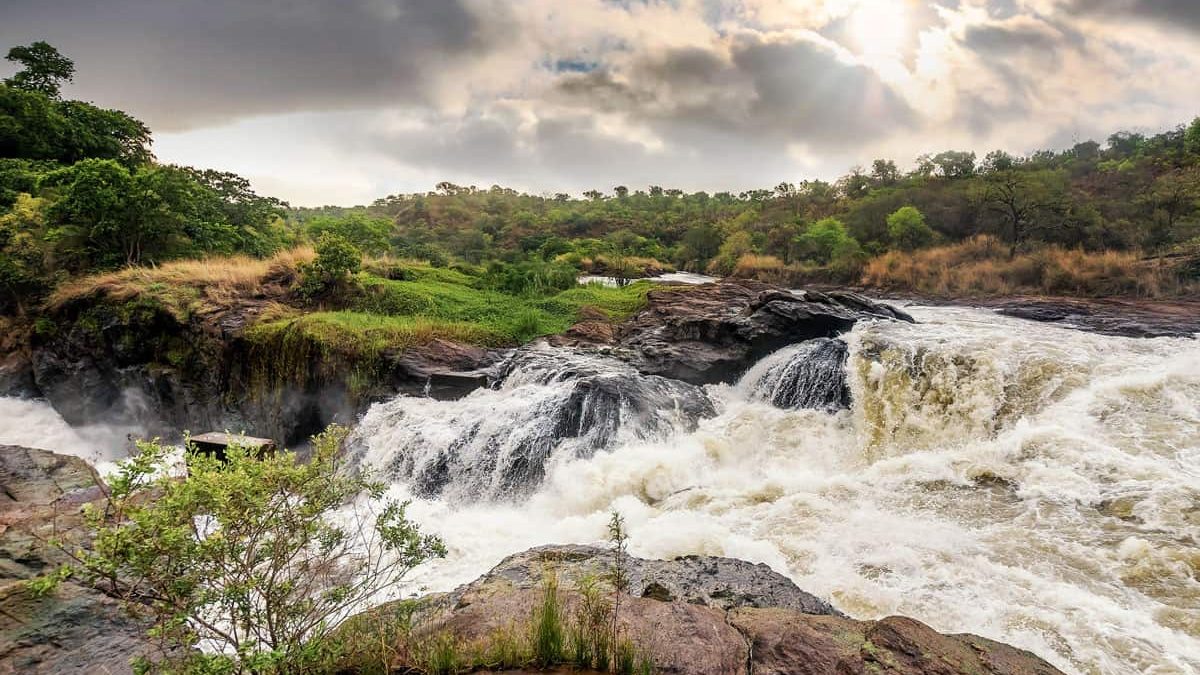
(1024, 482)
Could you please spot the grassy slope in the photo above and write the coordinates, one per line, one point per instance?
(392, 314)
(419, 303)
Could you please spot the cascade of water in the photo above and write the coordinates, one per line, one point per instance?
(552, 404)
(811, 374)
(1028, 483)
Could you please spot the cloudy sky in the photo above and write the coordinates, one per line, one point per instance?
(344, 101)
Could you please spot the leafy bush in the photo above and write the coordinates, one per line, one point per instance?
(336, 260)
(532, 277)
(908, 230)
(244, 557)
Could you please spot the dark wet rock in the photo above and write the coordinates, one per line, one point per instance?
(557, 402)
(714, 332)
(809, 376)
(1110, 316)
(75, 629)
(705, 615)
(139, 365)
(16, 376)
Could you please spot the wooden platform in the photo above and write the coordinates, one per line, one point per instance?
(214, 443)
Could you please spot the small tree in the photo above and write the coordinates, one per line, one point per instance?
(908, 230)
(622, 244)
(244, 557)
(44, 71)
(336, 260)
(819, 240)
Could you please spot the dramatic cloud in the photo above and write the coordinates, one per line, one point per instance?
(347, 100)
(184, 63)
(787, 87)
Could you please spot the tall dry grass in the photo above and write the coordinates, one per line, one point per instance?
(772, 270)
(217, 279)
(981, 266)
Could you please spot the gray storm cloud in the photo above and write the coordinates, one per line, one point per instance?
(186, 63)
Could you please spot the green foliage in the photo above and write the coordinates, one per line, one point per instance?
(44, 69)
(590, 628)
(531, 277)
(733, 248)
(907, 229)
(442, 655)
(244, 555)
(369, 234)
(549, 632)
(24, 272)
(35, 126)
(820, 240)
(336, 260)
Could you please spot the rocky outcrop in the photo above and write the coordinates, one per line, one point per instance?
(139, 363)
(708, 615)
(551, 402)
(76, 629)
(714, 332)
(136, 363)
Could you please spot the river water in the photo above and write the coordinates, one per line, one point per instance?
(1025, 482)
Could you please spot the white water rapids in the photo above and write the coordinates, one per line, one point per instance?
(1027, 483)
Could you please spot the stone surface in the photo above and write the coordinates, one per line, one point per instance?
(75, 629)
(147, 368)
(714, 332)
(1110, 316)
(706, 615)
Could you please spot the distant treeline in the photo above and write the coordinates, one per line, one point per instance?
(1133, 193)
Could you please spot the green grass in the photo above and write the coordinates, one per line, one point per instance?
(364, 334)
(389, 316)
(500, 318)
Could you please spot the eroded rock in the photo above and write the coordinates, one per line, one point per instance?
(705, 615)
(714, 332)
(76, 629)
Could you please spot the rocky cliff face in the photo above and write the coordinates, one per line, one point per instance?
(709, 615)
(77, 629)
(137, 363)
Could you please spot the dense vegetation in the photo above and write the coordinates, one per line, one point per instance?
(80, 191)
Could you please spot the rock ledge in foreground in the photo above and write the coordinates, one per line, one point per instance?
(709, 615)
(76, 629)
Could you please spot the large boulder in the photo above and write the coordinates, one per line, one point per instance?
(710, 615)
(714, 332)
(75, 629)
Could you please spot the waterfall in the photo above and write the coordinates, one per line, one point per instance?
(552, 404)
(811, 375)
(1021, 481)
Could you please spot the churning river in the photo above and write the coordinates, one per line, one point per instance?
(1028, 483)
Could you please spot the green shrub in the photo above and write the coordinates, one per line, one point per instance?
(336, 260)
(244, 556)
